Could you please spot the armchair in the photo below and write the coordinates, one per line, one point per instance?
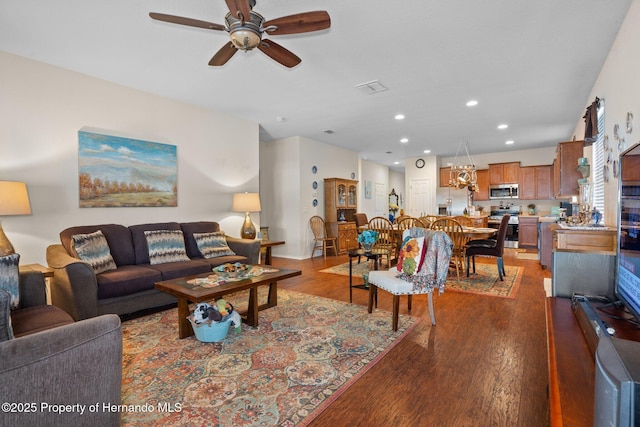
(58, 363)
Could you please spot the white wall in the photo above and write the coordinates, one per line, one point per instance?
(619, 85)
(43, 107)
(286, 191)
(377, 174)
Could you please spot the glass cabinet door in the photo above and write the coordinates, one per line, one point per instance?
(342, 195)
(353, 196)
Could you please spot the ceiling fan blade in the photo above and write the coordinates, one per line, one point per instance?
(186, 21)
(299, 23)
(223, 55)
(278, 53)
(241, 6)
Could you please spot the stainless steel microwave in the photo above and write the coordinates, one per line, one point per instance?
(503, 191)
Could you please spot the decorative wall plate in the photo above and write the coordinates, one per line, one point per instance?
(605, 142)
(629, 122)
(605, 173)
(616, 132)
(353, 175)
(315, 202)
(620, 145)
(615, 169)
(315, 185)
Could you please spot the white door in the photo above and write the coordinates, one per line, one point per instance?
(382, 204)
(421, 193)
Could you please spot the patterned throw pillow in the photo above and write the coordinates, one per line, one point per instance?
(212, 245)
(166, 246)
(10, 278)
(94, 249)
(411, 255)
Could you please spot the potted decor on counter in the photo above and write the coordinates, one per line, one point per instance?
(532, 208)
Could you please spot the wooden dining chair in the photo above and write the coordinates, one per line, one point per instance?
(320, 239)
(457, 236)
(428, 219)
(386, 238)
(464, 221)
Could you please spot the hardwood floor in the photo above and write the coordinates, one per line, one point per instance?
(483, 364)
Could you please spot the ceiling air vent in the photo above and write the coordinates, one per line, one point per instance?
(371, 87)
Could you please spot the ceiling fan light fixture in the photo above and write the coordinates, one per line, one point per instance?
(245, 35)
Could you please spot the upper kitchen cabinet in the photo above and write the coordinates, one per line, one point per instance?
(565, 173)
(504, 173)
(535, 183)
(482, 180)
(445, 177)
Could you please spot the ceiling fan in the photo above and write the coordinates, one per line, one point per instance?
(247, 27)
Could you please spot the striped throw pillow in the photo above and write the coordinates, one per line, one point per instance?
(94, 249)
(212, 245)
(10, 278)
(166, 246)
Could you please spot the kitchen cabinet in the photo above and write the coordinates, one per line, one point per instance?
(630, 168)
(584, 240)
(482, 180)
(535, 183)
(545, 247)
(504, 173)
(527, 231)
(445, 176)
(565, 173)
(340, 207)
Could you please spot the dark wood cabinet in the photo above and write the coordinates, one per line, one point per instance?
(504, 173)
(528, 231)
(535, 182)
(565, 173)
(630, 168)
(340, 207)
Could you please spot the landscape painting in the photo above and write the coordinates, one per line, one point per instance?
(124, 172)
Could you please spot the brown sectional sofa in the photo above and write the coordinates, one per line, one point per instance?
(131, 286)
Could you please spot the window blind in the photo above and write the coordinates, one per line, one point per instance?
(598, 154)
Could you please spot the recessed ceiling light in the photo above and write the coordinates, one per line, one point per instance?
(426, 151)
(404, 140)
(472, 103)
(396, 163)
(399, 117)
(509, 142)
(503, 126)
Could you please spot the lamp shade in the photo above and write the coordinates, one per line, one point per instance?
(246, 202)
(14, 198)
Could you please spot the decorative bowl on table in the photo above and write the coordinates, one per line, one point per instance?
(233, 270)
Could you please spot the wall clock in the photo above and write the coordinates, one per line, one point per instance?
(420, 163)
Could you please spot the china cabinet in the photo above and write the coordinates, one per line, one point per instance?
(340, 206)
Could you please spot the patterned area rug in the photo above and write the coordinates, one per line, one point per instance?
(485, 281)
(305, 353)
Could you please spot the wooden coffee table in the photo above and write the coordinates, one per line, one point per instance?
(186, 293)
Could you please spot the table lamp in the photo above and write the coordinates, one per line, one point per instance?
(14, 200)
(247, 202)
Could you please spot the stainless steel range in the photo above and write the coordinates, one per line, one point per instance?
(495, 217)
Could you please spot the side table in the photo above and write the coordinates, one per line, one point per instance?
(267, 245)
(374, 255)
(46, 272)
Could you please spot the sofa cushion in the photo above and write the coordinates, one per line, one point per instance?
(6, 331)
(140, 241)
(38, 318)
(94, 249)
(212, 245)
(126, 280)
(174, 270)
(10, 278)
(411, 255)
(188, 228)
(166, 246)
(118, 237)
